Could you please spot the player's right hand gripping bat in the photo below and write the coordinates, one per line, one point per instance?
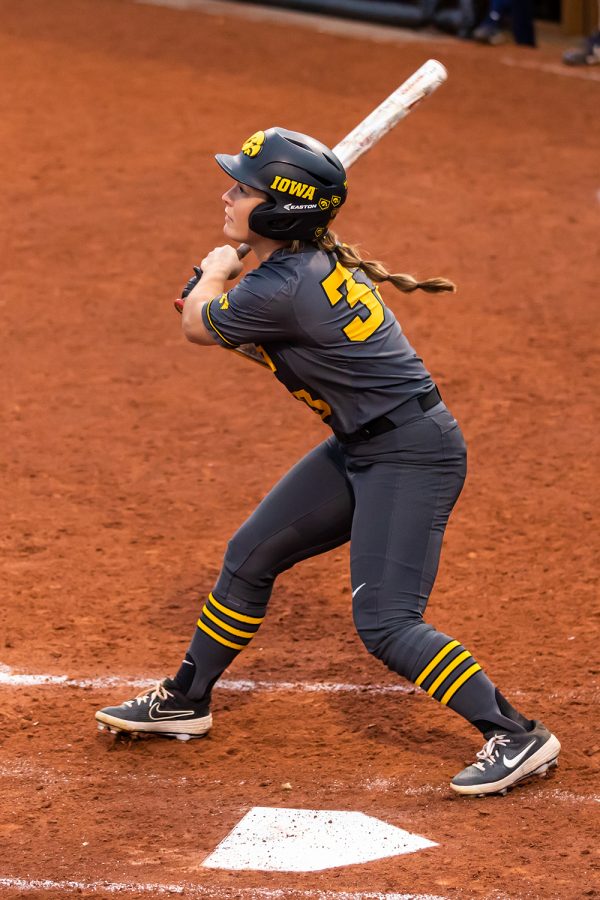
(366, 134)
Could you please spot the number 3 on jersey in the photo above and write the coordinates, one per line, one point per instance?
(340, 284)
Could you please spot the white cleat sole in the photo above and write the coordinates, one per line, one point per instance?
(182, 731)
(538, 773)
(102, 727)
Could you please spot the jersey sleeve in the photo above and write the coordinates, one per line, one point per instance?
(258, 309)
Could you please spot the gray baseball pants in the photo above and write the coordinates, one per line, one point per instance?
(391, 497)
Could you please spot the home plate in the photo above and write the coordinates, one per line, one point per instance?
(307, 840)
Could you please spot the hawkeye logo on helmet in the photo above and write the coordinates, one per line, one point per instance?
(335, 200)
(254, 144)
(296, 188)
(324, 204)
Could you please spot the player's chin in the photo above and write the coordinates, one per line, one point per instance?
(232, 233)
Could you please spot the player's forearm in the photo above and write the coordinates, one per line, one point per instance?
(211, 285)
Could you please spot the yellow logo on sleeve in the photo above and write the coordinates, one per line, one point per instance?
(254, 144)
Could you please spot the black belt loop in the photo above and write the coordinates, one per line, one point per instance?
(430, 399)
(386, 423)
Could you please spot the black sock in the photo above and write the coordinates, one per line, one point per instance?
(450, 675)
(224, 628)
(510, 712)
(185, 675)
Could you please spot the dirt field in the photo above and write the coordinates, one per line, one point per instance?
(131, 456)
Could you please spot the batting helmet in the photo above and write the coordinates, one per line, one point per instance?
(304, 181)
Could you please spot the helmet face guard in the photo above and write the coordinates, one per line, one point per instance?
(304, 181)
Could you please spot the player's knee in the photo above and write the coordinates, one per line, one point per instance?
(248, 566)
(391, 641)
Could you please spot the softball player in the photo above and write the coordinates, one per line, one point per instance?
(386, 479)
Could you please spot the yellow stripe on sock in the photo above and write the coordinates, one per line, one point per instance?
(449, 668)
(436, 659)
(459, 683)
(250, 620)
(217, 637)
(243, 634)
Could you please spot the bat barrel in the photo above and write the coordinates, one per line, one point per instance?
(394, 108)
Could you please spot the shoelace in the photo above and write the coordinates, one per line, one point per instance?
(489, 753)
(159, 692)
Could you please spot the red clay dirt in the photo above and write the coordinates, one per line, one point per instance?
(130, 456)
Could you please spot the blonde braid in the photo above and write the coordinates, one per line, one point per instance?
(350, 257)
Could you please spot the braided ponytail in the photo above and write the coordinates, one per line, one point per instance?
(349, 256)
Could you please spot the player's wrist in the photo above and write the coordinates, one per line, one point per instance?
(211, 284)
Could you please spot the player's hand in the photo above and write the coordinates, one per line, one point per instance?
(241, 251)
(223, 262)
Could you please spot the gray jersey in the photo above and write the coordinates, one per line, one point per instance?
(325, 333)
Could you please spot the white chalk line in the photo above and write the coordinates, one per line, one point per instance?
(9, 678)
(566, 796)
(197, 890)
(12, 679)
(552, 68)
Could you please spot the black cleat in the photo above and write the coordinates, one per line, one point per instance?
(506, 759)
(161, 710)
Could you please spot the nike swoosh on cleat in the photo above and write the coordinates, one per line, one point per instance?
(356, 590)
(513, 761)
(155, 712)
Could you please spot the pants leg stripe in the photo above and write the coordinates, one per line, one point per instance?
(459, 683)
(436, 659)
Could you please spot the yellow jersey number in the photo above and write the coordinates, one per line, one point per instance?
(341, 284)
(321, 407)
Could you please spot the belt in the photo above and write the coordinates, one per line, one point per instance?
(397, 417)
